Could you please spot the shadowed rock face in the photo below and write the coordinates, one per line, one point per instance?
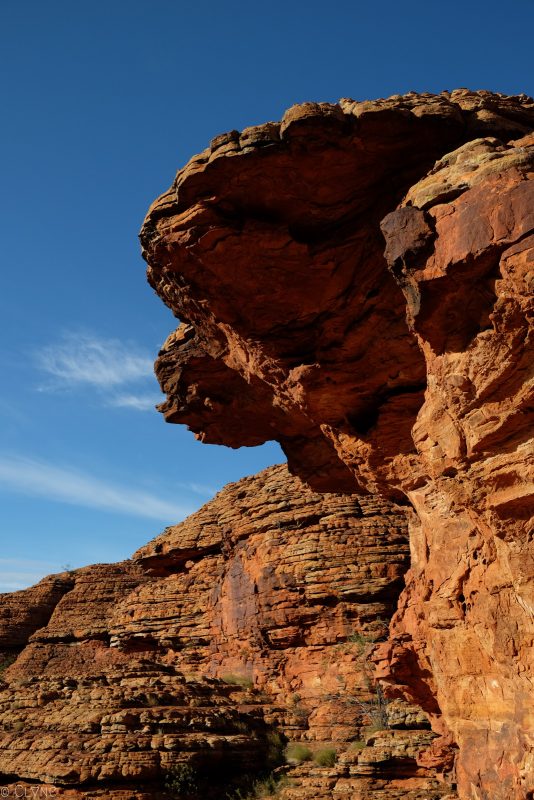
(256, 615)
(356, 282)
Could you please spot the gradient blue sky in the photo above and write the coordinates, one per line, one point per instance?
(102, 102)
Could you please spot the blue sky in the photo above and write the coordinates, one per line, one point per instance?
(102, 102)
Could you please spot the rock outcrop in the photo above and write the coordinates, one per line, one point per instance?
(22, 613)
(356, 283)
(249, 625)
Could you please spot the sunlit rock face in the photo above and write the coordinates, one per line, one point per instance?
(356, 283)
(254, 618)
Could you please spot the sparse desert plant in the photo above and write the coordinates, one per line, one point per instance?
(361, 640)
(274, 749)
(375, 711)
(18, 726)
(381, 629)
(6, 662)
(181, 780)
(357, 744)
(374, 727)
(270, 786)
(241, 726)
(341, 681)
(297, 753)
(234, 679)
(261, 696)
(326, 757)
(302, 714)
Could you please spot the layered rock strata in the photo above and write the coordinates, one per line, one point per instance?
(356, 282)
(249, 625)
(22, 613)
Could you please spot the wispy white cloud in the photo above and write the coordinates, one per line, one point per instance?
(14, 581)
(139, 402)
(36, 478)
(18, 573)
(26, 562)
(199, 488)
(81, 358)
(84, 360)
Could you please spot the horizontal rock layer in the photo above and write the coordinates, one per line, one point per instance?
(249, 624)
(356, 282)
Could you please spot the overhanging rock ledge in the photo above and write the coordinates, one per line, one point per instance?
(356, 282)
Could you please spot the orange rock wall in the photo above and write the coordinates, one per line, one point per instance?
(255, 617)
(356, 282)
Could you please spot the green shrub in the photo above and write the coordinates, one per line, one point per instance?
(261, 696)
(238, 680)
(297, 752)
(326, 757)
(358, 744)
(269, 786)
(181, 780)
(6, 662)
(240, 726)
(361, 640)
(374, 727)
(274, 755)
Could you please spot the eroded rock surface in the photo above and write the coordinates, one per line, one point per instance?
(356, 282)
(249, 624)
(22, 613)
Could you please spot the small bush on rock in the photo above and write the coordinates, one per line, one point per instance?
(238, 680)
(6, 662)
(181, 780)
(358, 744)
(274, 754)
(269, 786)
(326, 757)
(297, 753)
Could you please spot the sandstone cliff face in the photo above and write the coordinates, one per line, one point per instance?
(356, 282)
(22, 613)
(254, 619)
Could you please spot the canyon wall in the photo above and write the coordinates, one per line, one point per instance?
(356, 283)
(247, 626)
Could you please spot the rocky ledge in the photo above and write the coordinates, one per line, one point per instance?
(356, 283)
(238, 636)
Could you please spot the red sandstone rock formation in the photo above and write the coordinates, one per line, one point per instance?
(356, 282)
(22, 613)
(256, 615)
